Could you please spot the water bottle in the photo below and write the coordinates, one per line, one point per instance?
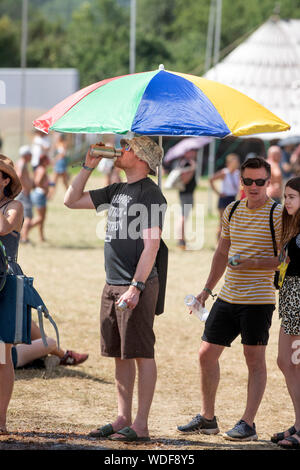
(122, 305)
(234, 260)
(104, 151)
(194, 305)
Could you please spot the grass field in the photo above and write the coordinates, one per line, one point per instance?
(56, 410)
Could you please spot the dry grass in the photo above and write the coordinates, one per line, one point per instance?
(56, 410)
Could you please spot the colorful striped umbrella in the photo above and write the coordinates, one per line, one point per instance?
(160, 102)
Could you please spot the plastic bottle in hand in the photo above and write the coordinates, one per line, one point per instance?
(194, 305)
(122, 305)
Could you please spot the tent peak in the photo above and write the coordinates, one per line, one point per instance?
(274, 18)
(276, 12)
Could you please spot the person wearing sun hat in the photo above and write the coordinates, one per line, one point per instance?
(11, 219)
(14, 186)
(132, 294)
(147, 150)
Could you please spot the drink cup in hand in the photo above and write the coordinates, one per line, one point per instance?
(103, 151)
(195, 307)
(234, 260)
(122, 305)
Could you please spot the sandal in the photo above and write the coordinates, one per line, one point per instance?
(128, 435)
(295, 444)
(280, 435)
(104, 431)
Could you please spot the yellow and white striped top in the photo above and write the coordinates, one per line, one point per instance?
(250, 236)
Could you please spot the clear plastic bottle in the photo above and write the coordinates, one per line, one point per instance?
(122, 305)
(194, 305)
(234, 260)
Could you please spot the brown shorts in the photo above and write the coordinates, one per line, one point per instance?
(128, 334)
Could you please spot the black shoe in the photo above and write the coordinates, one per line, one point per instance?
(199, 424)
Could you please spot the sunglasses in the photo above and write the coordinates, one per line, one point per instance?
(127, 148)
(258, 182)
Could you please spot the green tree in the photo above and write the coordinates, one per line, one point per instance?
(93, 35)
(11, 9)
(98, 41)
(46, 42)
(151, 51)
(9, 43)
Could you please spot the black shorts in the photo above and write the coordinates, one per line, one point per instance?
(226, 321)
(224, 201)
(186, 202)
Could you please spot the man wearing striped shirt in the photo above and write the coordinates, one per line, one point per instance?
(246, 301)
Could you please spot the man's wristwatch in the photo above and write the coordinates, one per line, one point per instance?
(139, 285)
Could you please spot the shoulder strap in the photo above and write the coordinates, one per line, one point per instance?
(272, 228)
(233, 209)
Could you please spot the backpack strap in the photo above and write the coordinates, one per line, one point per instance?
(272, 228)
(233, 209)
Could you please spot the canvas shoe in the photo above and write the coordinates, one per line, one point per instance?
(72, 358)
(201, 425)
(241, 431)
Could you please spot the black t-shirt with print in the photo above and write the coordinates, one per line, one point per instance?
(131, 209)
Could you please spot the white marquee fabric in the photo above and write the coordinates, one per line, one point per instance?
(266, 67)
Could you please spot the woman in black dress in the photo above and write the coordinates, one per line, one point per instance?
(11, 219)
(289, 310)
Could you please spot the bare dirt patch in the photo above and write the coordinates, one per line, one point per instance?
(57, 410)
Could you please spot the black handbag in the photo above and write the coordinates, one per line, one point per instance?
(276, 275)
(162, 269)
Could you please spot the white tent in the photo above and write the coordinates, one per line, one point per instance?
(266, 67)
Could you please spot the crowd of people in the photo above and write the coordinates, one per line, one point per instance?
(32, 170)
(38, 187)
(265, 235)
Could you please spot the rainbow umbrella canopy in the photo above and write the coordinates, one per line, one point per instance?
(160, 102)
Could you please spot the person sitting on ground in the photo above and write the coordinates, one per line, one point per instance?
(26, 354)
